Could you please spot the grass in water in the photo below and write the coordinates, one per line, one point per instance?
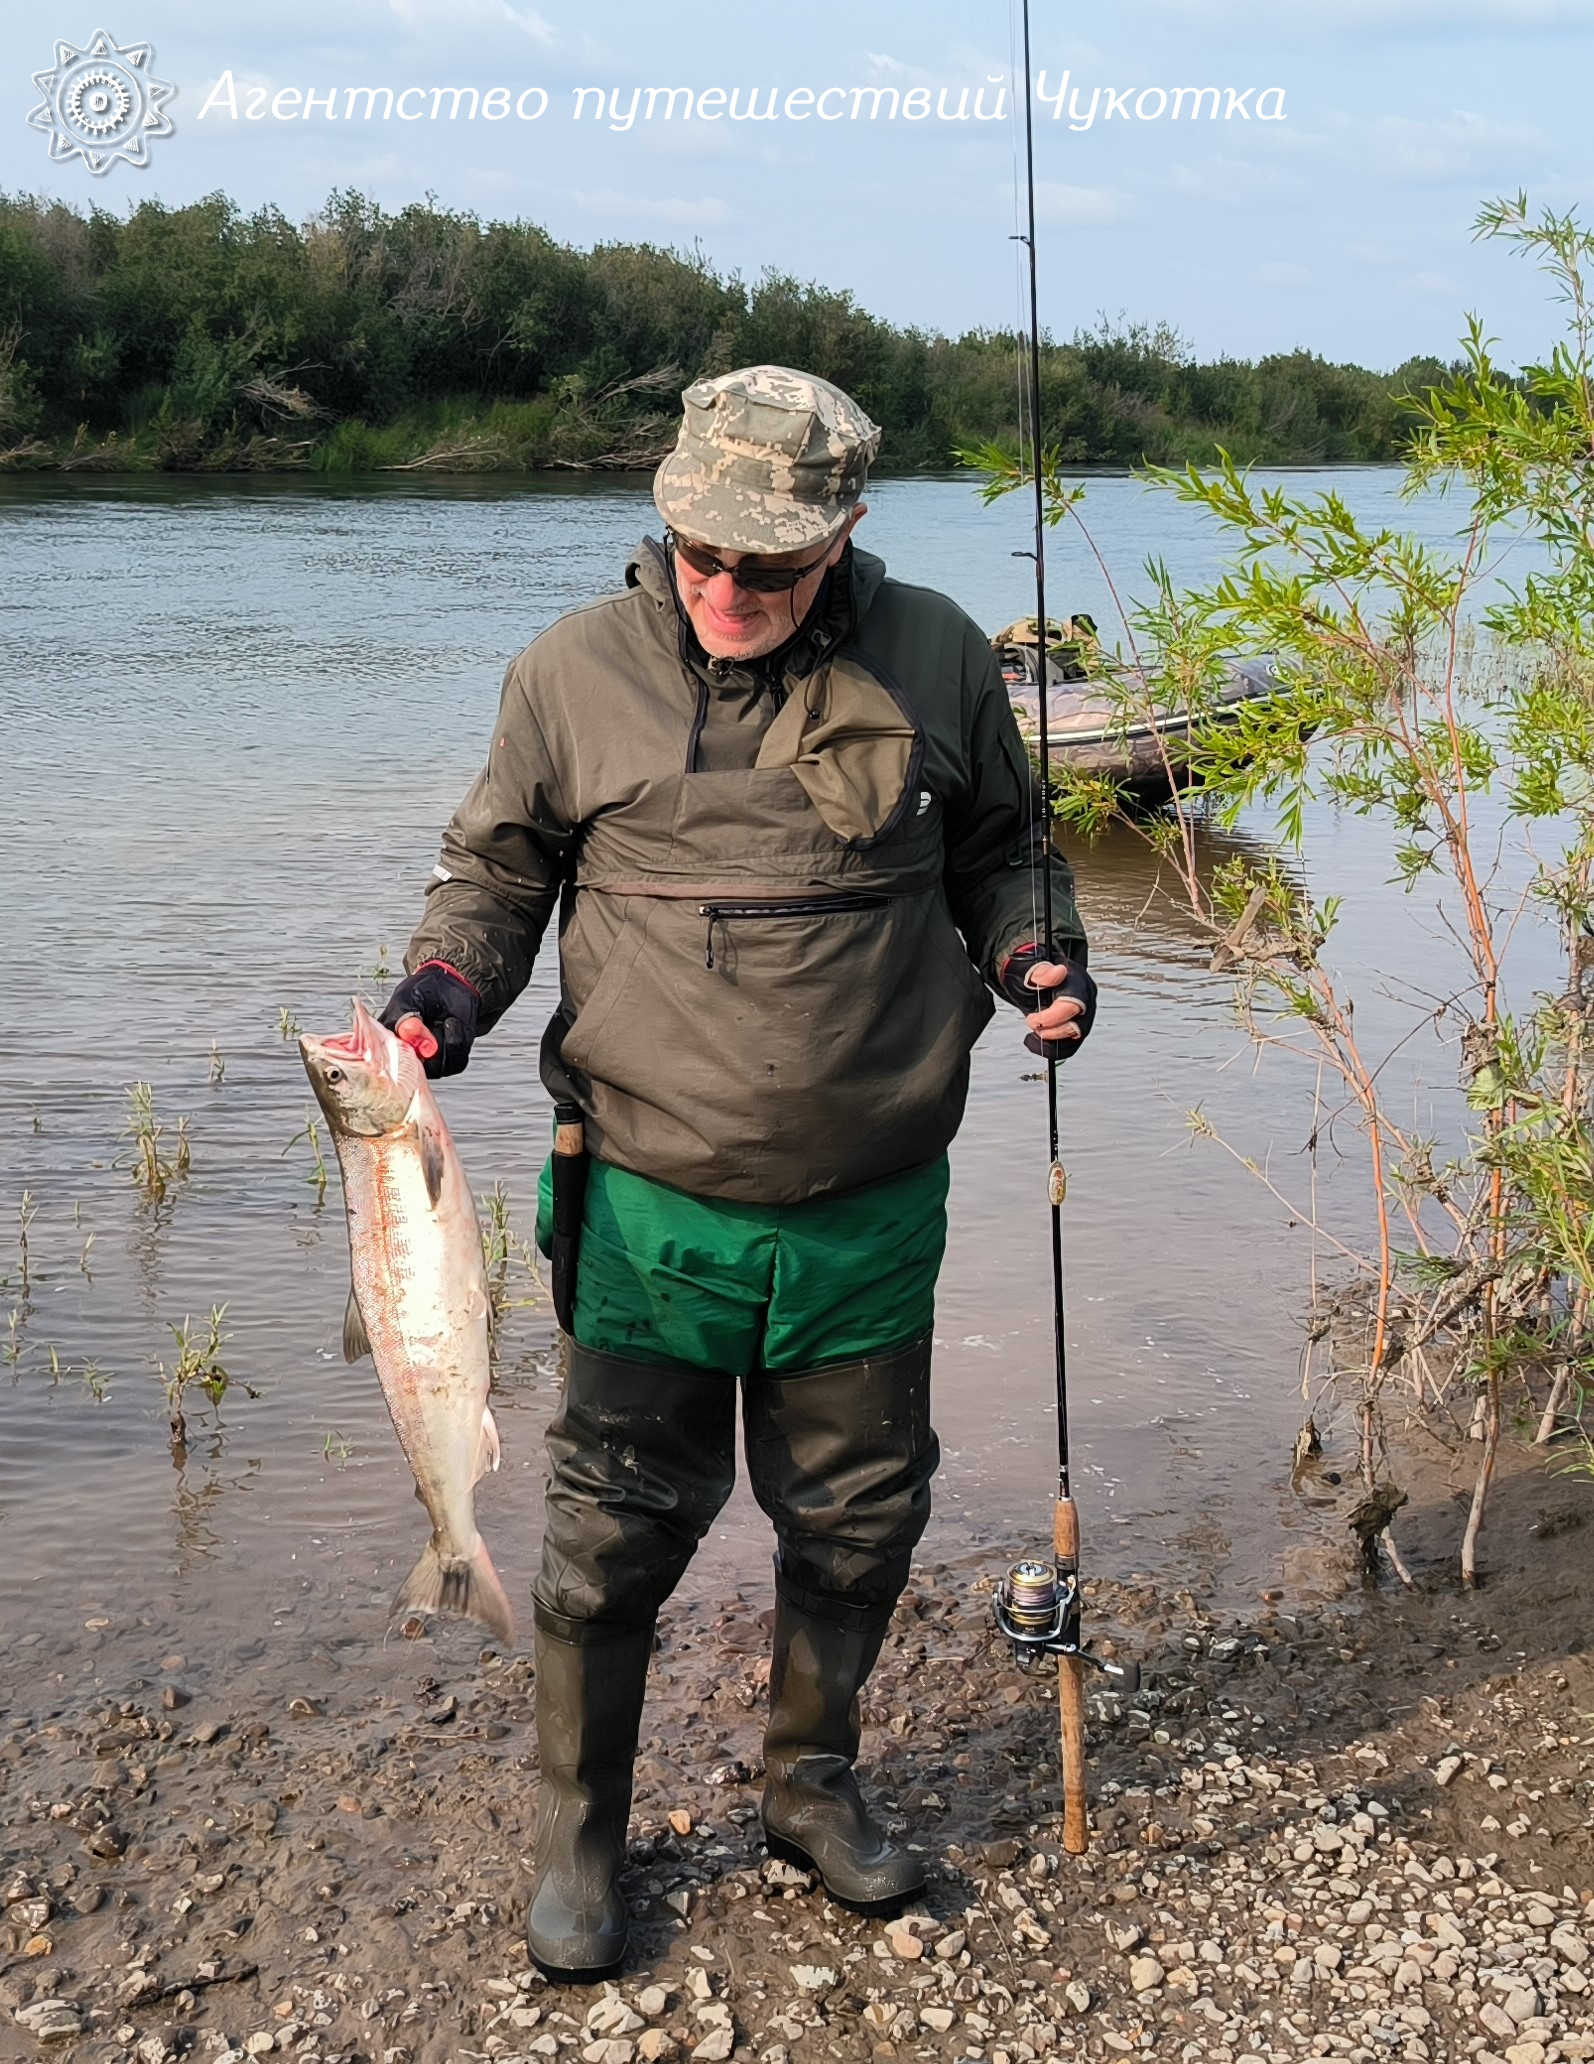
(155, 1164)
(218, 1065)
(288, 1026)
(501, 1246)
(27, 1212)
(311, 1131)
(198, 1366)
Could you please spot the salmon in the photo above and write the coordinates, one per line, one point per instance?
(419, 1304)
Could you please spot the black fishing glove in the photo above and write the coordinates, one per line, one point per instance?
(446, 1005)
(1079, 985)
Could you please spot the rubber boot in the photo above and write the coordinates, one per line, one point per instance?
(589, 1709)
(814, 1814)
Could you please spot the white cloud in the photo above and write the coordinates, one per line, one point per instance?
(1281, 272)
(1230, 182)
(1431, 283)
(694, 213)
(421, 14)
(1382, 18)
(1089, 206)
(1450, 146)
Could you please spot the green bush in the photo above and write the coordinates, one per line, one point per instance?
(361, 338)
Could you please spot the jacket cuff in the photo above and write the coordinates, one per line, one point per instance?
(448, 968)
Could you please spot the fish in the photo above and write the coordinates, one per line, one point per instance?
(418, 1303)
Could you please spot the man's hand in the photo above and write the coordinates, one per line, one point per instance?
(434, 1011)
(1058, 1000)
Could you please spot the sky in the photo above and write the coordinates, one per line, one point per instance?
(1328, 203)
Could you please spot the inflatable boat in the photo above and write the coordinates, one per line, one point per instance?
(1149, 756)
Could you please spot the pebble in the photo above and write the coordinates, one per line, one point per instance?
(612, 2017)
(813, 1977)
(1145, 1973)
(50, 2020)
(681, 1821)
(652, 2000)
(608, 2050)
(656, 2046)
(715, 2047)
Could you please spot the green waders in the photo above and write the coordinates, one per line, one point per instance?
(822, 1311)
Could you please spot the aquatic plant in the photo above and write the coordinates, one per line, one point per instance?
(288, 1026)
(501, 1247)
(197, 1366)
(1412, 683)
(310, 1131)
(218, 1066)
(27, 1212)
(153, 1168)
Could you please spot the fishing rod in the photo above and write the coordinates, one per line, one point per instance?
(1038, 1603)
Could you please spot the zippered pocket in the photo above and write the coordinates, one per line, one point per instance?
(791, 906)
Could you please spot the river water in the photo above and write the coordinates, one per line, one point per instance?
(235, 716)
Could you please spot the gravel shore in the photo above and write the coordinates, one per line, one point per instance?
(1356, 1829)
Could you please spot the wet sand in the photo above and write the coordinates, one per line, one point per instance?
(1358, 1828)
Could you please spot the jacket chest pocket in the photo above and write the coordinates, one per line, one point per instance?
(755, 821)
(723, 913)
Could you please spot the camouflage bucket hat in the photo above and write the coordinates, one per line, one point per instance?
(768, 460)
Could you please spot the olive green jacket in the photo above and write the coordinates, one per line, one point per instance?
(784, 889)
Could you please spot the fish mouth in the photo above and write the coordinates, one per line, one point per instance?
(366, 1043)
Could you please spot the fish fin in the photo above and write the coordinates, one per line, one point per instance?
(471, 1589)
(432, 1162)
(356, 1341)
(490, 1453)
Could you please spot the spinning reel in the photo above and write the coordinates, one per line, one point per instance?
(1037, 1609)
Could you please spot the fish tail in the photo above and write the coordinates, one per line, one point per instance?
(471, 1589)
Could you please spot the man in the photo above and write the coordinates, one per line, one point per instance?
(780, 804)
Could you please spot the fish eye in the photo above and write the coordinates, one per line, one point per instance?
(334, 1074)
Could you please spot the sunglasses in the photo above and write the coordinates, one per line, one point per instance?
(748, 574)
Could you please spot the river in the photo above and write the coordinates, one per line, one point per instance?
(235, 716)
